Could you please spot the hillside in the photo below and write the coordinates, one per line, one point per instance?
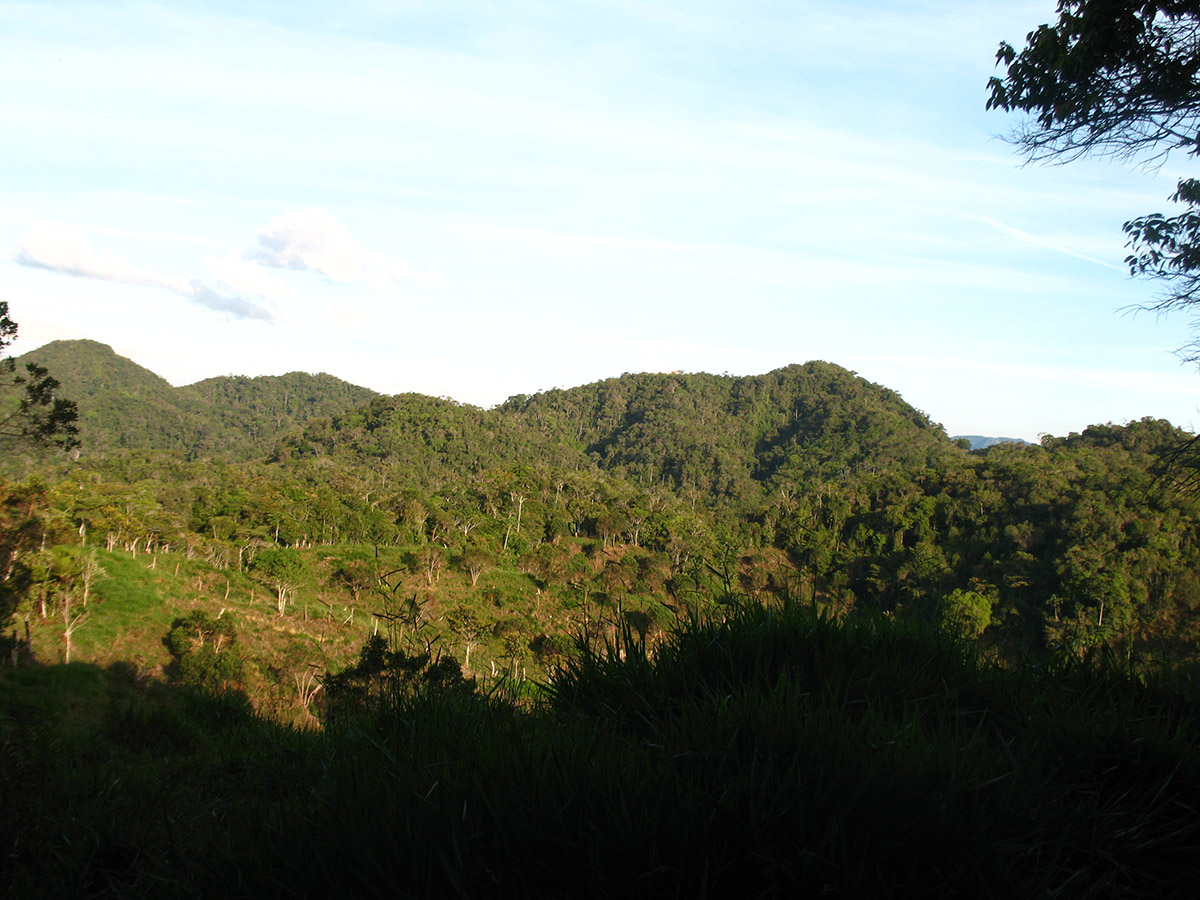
(723, 436)
(726, 436)
(697, 593)
(647, 494)
(123, 406)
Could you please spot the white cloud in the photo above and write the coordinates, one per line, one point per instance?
(1056, 244)
(233, 271)
(314, 240)
(66, 250)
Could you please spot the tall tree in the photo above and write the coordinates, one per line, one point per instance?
(281, 568)
(1118, 78)
(1121, 78)
(30, 413)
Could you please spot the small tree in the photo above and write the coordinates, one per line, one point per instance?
(965, 614)
(516, 651)
(432, 560)
(72, 620)
(475, 560)
(282, 570)
(89, 571)
(464, 623)
(383, 678)
(202, 652)
(356, 575)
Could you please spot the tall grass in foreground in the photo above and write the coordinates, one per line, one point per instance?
(774, 753)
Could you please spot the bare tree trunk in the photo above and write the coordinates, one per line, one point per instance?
(70, 625)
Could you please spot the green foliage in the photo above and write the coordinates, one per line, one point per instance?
(31, 413)
(964, 614)
(203, 652)
(1119, 79)
(125, 406)
(382, 678)
(282, 569)
(637, 499)
(21, 509)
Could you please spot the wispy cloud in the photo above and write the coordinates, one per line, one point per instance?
(233, 270)
(1045, 242)
(314, 240)
(239, 282)
(66, 250)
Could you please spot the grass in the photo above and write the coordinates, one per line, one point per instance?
(777, 752)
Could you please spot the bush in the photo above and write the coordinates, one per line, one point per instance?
(202, 652)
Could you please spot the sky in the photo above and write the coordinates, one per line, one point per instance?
(475, 199)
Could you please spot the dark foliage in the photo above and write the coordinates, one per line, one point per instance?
(31, 412)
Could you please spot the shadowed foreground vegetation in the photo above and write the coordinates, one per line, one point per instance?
(770, 752)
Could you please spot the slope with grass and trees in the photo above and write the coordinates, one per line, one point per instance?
(598, 607)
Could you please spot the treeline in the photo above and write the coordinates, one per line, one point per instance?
(1063, 546)
(643, 497)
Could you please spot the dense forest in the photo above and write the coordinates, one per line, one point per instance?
(313, 550)
(635, 498)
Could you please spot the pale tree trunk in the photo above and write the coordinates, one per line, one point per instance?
(520, 498)
(71, 624)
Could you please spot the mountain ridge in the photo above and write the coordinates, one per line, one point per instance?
(725, 435)
(123, 405)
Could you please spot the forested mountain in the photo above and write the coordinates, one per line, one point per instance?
(653, 492)
(277, 539)
(125, 406)
(728, 436)
(724, 438)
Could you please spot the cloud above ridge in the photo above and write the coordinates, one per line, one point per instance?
(314, 240)
(67, 251)
(240, 283)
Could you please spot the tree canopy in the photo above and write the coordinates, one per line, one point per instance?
(30, 412)
(1122, 79)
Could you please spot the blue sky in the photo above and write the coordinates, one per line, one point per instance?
(475, 200)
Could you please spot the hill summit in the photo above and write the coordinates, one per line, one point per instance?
(123, 405)
(721, 435)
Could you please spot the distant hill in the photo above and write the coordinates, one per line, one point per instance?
(979, 442)
(721, 433)
(270, 405)
(428, 440)
(725, 436)
(125, 406)
(729, 437)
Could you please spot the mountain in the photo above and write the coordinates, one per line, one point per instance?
(427, 440)
(125, 406)
(979, 442)
(724, 436)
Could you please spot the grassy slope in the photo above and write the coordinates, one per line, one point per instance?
(137, 597)
(776, 753)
